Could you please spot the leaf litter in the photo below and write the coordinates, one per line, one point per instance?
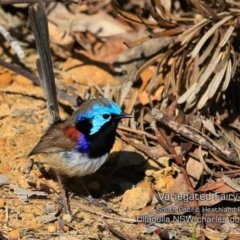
(174, 169)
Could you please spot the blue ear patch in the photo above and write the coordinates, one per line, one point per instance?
(97, 122)
(96, 112)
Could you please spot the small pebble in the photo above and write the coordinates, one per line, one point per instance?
(18, 130)
(12, 143)
(52, 228)
(4, 180)
(65, 228)
(67, 218)
(14, 235)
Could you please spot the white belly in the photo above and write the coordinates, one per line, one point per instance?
(77, 164)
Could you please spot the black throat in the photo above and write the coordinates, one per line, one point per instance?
(102, 141)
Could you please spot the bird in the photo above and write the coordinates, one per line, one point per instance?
(79, 145)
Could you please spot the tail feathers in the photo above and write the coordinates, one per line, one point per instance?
(44, 62)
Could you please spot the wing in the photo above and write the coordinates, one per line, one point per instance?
(54, 140)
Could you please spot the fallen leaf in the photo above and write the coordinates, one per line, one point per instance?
(216, 235)
(194, 169)
(144, 97)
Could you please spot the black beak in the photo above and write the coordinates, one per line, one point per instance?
(125, 115)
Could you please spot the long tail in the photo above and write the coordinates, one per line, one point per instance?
(44, 62)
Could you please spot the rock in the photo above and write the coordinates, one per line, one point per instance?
(151, 167)
(14, 235)
(164, 179)
(67, 218)
(65, 228)
(52, 228)
(138, 197)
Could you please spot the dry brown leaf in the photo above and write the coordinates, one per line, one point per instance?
(145, 75)
(111, 49)
(226, 37)
(100, 24)
(144, 97)
(186, 95)
(209, 69)
(209, 125)
(227, 76)
(218, 186)
(216, 81)
(60, 37)
(209, 48)
(188, 34)
(212, 87)
(220, 236)
(217, 219)
(209, 33)
(225, 189)
(194, 169)
(144, 211)
(130, 17)
(125, 89)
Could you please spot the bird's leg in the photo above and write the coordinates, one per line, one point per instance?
(63, 193)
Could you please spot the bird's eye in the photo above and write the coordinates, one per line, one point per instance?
(106, 116)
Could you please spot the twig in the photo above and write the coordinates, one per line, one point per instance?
(144, 149)
(9, 2)
(99, 212)
(142, 127)
(137, 131)
(167, 145)
(226, 152)
(225, 178)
